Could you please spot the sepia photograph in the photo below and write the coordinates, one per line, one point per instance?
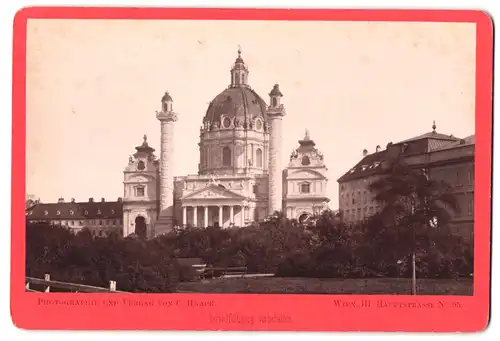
(250, 157)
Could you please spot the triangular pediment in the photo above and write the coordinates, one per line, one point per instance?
(213, 192)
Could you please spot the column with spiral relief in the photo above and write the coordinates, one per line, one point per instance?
(167, 118)
(275, 114)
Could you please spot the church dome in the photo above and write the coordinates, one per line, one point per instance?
(238, 103)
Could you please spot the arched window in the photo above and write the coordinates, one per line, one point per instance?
(275, 101)
(237, 76)
(226, 156)
(258, 155)
(306, 161)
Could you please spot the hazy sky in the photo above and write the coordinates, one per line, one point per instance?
(93, 87)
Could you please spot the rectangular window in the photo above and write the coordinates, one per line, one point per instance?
(471, 177)
(139, 191)
(470, 206)
(305, 188)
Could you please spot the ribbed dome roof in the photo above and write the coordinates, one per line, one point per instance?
(240, 102)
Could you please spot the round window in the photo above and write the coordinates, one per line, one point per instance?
(227, 122)
(259, 125)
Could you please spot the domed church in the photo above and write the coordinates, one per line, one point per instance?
(240, 176)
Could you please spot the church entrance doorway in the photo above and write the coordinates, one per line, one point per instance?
(140, 227)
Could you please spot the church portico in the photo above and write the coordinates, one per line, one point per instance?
(203, 214)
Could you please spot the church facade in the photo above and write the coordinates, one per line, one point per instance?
(240, 177)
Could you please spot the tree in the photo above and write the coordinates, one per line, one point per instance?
(414, 205)
(136, 265)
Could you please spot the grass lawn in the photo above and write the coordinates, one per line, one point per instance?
(281, 285)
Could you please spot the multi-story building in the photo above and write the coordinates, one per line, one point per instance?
(101, 218)
(445, 157)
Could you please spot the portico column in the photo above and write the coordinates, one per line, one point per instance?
(242, 213)
(221, 221)
(231, 214)
(195, 215)
(184, 215)
(205, 220)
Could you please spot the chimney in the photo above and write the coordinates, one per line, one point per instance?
(377, 149)
(103, 200)
(119, 199)
(365, 152)
(91, 199)
(60, 200)
(73, 200)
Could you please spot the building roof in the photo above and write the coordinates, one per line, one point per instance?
(425, 143)
(144, 148)
(76, 210)
(166, 97)
(369, 165)
(466, 141)
(307, 141)
(276, 91)
(431, 135)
